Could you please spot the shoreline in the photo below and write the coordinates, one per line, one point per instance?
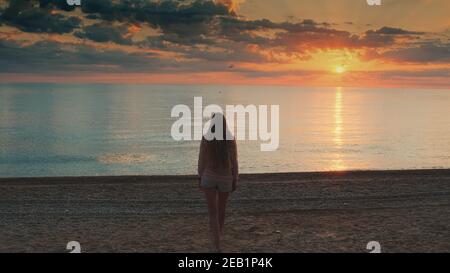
(245, 176)
(405, 210)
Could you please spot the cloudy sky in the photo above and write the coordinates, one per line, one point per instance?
(402, 43)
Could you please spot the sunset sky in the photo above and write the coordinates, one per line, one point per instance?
(402, 43)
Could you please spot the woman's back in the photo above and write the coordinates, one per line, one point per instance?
(218, 157)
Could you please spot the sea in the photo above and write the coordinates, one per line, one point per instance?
(53, 130)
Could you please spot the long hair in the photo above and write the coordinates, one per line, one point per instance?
(218, 151)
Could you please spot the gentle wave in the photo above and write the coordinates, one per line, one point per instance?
(124, 158)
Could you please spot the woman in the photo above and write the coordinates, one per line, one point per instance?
(218, 173)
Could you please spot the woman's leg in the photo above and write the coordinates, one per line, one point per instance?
(211, 199)
(223, 198)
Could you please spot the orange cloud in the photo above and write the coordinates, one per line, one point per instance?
(233, 5)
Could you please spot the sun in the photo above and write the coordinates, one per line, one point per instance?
(340, 69)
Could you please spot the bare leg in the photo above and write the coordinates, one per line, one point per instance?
(223, 198)
(211, 198)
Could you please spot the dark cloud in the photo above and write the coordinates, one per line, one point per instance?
(180, 21)
(93, 17)
(393, 31)
(307, 35)
(386, 36)
(60, 4)
(104, 8)
(165, 40)
(103, 32)
(49, 56)
(231, 52)
(233, 25)
(311, 38)
(54, 57)
(29, 18)
(168, 15)
(424, 53)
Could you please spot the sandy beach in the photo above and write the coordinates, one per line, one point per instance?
(406, 211)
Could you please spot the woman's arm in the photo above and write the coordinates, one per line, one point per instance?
(201, 158)
(234, 164)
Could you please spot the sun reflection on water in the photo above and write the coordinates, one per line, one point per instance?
(338, 162)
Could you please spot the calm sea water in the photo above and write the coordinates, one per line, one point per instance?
(79, 130)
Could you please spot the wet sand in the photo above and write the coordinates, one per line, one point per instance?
(406, 211)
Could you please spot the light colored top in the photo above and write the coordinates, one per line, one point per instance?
(206, 168)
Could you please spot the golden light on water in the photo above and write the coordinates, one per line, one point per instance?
(338, 162)
(338, 122)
